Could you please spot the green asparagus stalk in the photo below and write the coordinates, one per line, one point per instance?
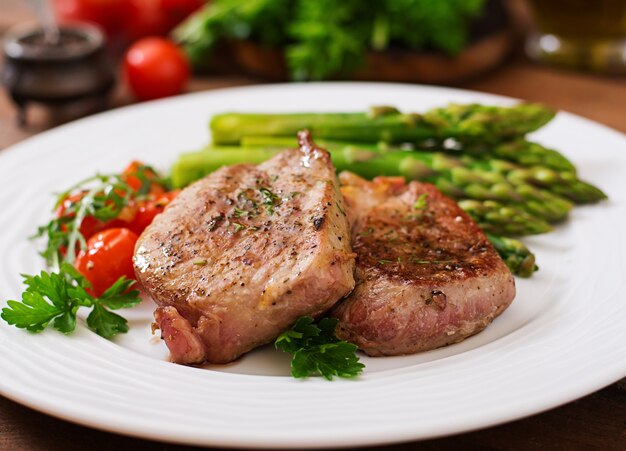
(501, 219)
(476, 183)
(515, 254)
(485, 123)
(456, 177)
(445, 172)
(192, 166)
(562, 183)
(520, 151)
(472, 122)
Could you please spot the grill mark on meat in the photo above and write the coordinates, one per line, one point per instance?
(271, 257)
(426, 276)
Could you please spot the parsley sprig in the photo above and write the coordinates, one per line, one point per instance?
(55, 297)
(316, 350)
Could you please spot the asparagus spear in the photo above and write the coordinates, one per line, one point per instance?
(445, 172)
(457, 177)
(501, 219)
(472, 122)
(520, 151)
(515, 254)
(563, 183)
(475, 183)
(192, 166)
(476, 122)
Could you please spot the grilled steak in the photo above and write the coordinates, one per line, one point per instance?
(238, 256)
(426, 274)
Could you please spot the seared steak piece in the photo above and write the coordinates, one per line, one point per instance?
(238, 256)
(426, 274)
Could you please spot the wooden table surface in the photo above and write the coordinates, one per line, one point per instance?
(597, 421)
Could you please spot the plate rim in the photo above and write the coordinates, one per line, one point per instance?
(60, 413)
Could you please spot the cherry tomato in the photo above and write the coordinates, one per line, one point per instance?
(89, 226)
(147, 210)
(155, 68)
(157, 17)
(178, 10)
(145, 18)
(108, 14)
(107, 258)
(130, 19)
(135, 174)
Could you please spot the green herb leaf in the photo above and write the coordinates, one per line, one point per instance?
(33, 313)
(421, 202)
(328, 360)
(48, 296)
(117, 295)
(101, 197)
(270, 200)
(238, 213)
(56, 297)
(316, 350)
(324, 38)
(104, 323)
(238, 226)
(66, 323)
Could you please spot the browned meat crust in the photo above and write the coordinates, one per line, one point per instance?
(426, 274)
(244, 252)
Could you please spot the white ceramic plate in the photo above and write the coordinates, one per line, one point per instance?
(562, 338)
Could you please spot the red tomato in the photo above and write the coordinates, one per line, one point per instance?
(145, 18)
(131, 19)
(147, 210)
(109, 14)
(107, 258)
(157, 17)
(178, 10)
(155, 68)
(89, 226)
(134, 178)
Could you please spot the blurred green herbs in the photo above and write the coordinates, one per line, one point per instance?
(325, 38)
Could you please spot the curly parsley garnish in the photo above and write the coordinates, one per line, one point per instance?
(316, 350)
(56, 297)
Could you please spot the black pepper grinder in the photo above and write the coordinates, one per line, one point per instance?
(65, 68)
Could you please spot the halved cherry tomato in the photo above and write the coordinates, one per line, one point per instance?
(107, 258)
(147, 210)
(135, 174)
